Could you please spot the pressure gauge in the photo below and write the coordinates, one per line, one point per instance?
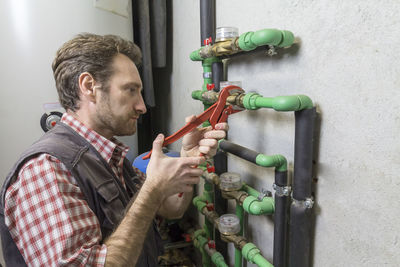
(226, 33)
(229, 224)
(230, 181)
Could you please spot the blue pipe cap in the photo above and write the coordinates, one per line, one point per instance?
(141, 163)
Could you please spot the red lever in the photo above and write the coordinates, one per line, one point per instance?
(211, 244)
(210, 86)
(210, 168)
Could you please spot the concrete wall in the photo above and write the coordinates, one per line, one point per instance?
(348, 63)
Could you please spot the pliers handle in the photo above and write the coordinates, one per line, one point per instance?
(216, 113)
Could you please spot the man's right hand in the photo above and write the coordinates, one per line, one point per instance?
(168, 176)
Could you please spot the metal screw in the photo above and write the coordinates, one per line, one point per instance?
(271, 51)
(309, 203)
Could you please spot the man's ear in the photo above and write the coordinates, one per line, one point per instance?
(87, 86)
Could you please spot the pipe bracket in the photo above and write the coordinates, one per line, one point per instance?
(282, 190)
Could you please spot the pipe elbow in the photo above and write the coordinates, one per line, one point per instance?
(255, 207)
(199, 203)
(292, 103)
(277, 161)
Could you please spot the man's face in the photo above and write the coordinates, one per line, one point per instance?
(120, 107)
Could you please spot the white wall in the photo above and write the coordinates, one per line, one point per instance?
(348, 63)
(31, 32)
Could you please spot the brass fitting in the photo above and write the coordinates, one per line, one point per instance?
(211, 177)
(226, 47)
(238, 195)
(237, 240)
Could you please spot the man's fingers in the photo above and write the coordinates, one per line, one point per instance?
(222, 126)
(190, 118)
(208, 142)
(215, 134)
(157, 144)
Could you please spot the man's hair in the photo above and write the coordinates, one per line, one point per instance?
(88, 53)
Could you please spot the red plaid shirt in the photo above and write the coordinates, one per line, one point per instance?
(47, 214)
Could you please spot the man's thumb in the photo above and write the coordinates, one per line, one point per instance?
(158, 144)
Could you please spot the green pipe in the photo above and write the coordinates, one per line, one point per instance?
(195, 55)
(250, 190)
(280, 103)
(251, 40)
(197, 95)
(216, 257)
(238, 252)
(252, 254)
(254, 206)
(199, 202)
(209, 197)
(277, 161)
(219, 260)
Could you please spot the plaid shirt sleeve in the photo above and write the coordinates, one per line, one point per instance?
(49, 219)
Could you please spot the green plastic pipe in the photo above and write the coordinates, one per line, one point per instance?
(197, 95)
(199, 243)
(216, 257)
(254, 206)
(195, 55)
(251, 40)
(238, 252)
(219, 260)
(277, 161)
(252, 254)
(209, 197)
(199, 202)
(250, 190)
(280, 103)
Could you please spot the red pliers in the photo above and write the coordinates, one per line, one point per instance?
(217, 113)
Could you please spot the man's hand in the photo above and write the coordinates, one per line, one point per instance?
(168, 176)
(203, 141)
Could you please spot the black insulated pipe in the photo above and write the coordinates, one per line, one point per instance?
(300, 213)
(207, 30)
(217, 74)
(303, 153)
(240, 151)
(280, 219)
(207, 20)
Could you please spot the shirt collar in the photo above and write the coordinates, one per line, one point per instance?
(108, 148)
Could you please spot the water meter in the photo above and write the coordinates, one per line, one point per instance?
(229, 224)
(230, 181)
(226, 33)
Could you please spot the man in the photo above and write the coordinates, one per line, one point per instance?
(73, 199)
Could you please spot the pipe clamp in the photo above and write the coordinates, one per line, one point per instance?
(207, 75)
(282, 190)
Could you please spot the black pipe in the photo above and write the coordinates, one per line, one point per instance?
(280, 219)
(207, 30)
(240, 151)
(207, 20)
(300, 212)
(217, 74)
(303, 153)
(300, 232)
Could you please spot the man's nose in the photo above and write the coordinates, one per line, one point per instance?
(141, 106)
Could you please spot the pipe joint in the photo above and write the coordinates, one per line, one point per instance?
(249, 101)
(250, 251)
(277, 161)
(255, 207)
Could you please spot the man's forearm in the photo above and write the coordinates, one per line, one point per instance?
(125, 244)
